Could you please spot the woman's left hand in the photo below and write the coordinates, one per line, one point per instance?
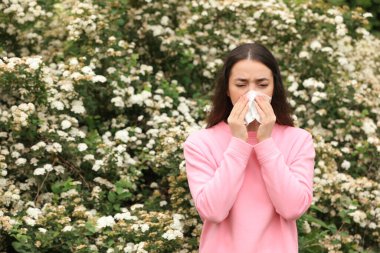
(267, 116)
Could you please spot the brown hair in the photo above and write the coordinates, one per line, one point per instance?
(221, 103)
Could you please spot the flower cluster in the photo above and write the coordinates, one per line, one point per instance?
(96, 98)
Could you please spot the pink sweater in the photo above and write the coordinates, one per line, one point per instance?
(249, 194)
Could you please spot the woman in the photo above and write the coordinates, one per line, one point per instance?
(250, 182)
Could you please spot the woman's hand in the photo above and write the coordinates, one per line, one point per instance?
(267, 116)
(236, 118)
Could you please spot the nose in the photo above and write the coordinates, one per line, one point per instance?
(252, 87)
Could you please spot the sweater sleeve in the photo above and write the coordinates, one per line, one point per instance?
(290, 187)
(214, 189)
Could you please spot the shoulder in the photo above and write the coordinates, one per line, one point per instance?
(202, 136)
(294, 133)
(293, 137)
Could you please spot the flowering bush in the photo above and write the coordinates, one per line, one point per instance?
(98, 96)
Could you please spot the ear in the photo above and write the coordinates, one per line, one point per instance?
(228, 93)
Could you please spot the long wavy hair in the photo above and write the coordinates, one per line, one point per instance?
(222, 104)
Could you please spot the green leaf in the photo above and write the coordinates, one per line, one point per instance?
(21, 247)
(112, 197)
(116, 207)
(90, 228)
(124, 195)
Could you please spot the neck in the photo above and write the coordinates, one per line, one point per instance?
(253, 126)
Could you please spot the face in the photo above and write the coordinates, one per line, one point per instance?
(249, 75)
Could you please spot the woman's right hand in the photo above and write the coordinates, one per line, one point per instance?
(236, 118)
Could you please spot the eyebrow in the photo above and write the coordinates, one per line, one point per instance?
(256, 80)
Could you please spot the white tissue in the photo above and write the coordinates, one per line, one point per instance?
(252, 113)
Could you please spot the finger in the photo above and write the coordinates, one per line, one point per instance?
(266, 108)
(259, 110)
(240, 105)
(264, 104)
(237, 107)
(243, 112)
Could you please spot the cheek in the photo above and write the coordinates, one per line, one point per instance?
(235, 97)
(269, 91)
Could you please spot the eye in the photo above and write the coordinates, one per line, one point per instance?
(240, 85)
(263, 85)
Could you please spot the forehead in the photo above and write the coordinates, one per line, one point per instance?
(250, 68)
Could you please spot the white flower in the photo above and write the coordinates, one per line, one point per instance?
(82, 147)
(327, 50)
(338, 19)
(129, 248)
(73, 62)
(34, 62)
(29, 221)
(59, 169)
(312, 83)
(346, 165)
(153, 185)
(358, 216)
(317, 96)
(67, 85)
(54, 148)
(20, 161)
(122, 135)
(105, 221)
(135, 206)
(343, 61)
(48, 167)
(164, 21)
(315, 45)
(33, 212)
(42, 230)
(118, 102)
(369, 127)
(144, 227)
(111, 70)
(57, 105)
(341, 30)
(177, 225)
(65, 124)
(67, 228)
(372, 225)
(303, 54)
(306, 227)
(183, 108)
(294, 85)
(157, 29)
(23, 107)
(97, 165)
(34, 161)
(163, 203)
(39, 171)
(172, 234)
(87, 70)
(99, 78)
(258, 14)
(3, 182)
(367, 15)
(88, 157)
(126, 79)
(125, 216)
(145, 68)
(77, 107)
